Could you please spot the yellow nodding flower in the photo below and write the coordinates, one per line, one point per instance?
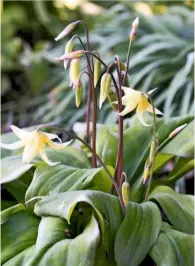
(137, 100)
(104, 88)
(34, 142)
(74, 73)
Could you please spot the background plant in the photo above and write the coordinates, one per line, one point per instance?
(165, 40)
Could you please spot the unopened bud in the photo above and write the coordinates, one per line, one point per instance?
(74, 72)
(68, 49)
(146, 173)
(97, 71)
(176, 131)
(71, 55)
(67, 30)
(78, 94)
(153, 149)
(125, 192)
(135, 23)
(104, 88)
(134, 29)
(123, 67)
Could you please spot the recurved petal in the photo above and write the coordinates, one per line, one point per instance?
(46, 159)
(140, 114)
(52, 136)
(13, 146)
(125, 111)
(151, 91)
(30, 151)
(58, 146)
(150, 109)
(128, 90)
(20, 133)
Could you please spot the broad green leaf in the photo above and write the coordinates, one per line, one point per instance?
(137, 233)
(178, 208)
(53, 249)
(19, 232)
(173, 248)
(52, 180)
(18, 187)
(13, 168)
(71, 156)
(7, 204)
(182, 166)
(106, 207)
(183, 144)
(9, 211)
(137, 141)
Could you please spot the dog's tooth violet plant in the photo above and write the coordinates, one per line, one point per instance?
(102, 198)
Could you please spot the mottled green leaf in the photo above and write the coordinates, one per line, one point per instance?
(178, 208)
(173, 248)
(13, 168)
(106, 207)
(137, 233)
(19, 232)
(52, 180)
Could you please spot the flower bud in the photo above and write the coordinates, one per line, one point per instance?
(104, 88)
(68, 49)
(97, 71)
(135, 23)
(153, 149)
(134, 29)
(67, 30)
(71, 55)
(123, 67)
(78, 94)
(176, 131)
(125, 192)
(74, 72)
(146, 173)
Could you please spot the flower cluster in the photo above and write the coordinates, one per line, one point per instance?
(34, 142)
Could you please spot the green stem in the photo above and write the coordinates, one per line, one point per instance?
(155, 148)
(127, 66)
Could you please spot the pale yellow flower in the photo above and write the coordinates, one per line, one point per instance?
(34, 142)
(137, 100)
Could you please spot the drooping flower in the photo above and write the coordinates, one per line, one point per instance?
(68, 49)
(74, 73)
(34, 143)
(137, 100)
(104, 88)
(71, 55)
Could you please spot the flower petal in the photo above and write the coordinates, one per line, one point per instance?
(58, 146)
(125, 111)
(140, 116)
(13, 146)
(32, 147)
(20, 133)
(51, 136)
(151, 91)
(46, 159)
(150, 109)
(130, 91)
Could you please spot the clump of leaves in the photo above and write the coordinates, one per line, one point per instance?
(81, 211)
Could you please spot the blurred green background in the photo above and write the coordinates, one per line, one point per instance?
(35, 87)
